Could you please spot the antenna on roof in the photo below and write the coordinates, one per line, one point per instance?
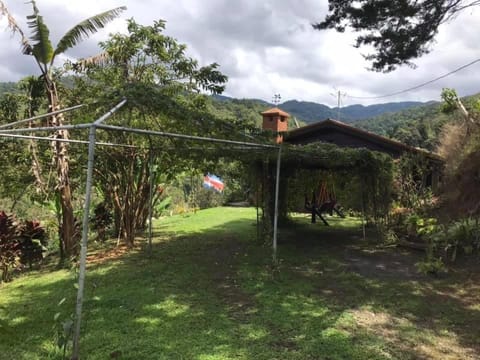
(276, 99)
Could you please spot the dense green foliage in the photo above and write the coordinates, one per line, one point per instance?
(146, 61)
(419, 126)
(238, 111)
(43, 52)
(363, 179)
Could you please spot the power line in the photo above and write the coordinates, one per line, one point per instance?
(417, 86)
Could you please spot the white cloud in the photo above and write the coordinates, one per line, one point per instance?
(265, 47)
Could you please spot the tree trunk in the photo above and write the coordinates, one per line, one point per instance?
(69, 236)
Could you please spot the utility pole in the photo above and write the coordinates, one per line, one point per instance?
(338, 94)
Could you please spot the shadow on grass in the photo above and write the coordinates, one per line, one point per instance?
(212, 294)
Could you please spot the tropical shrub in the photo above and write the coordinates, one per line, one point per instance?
(431, 265)
(21, 243)
(101, 220)
(445, 242)
(32, 239)
(460, 236)
(9, 245)
(162, 207)
(410, 184)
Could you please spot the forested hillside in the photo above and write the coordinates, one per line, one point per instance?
(312, 112)
(7, 87)
(412, 124)
(419, 126)
(242, 111)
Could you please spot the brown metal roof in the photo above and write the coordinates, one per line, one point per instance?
(275, 111)
(296, 135)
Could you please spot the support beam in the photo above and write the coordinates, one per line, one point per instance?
(71, 141)
(186, 137)
(275, 216)
(86, 213)
(4, 126)
(150, 202)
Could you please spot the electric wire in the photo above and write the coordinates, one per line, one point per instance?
(416, 86)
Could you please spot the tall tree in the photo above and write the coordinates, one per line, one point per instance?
(32, 89)
(163, 86)
(399, 30)
(41, 49)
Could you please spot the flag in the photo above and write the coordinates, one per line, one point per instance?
(213, 182)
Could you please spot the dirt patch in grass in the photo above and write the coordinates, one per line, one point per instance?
(110, 254)
(401, 334)
(383, 263)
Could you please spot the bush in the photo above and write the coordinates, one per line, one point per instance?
(446, 241)
(101, 220)
(163, 206)
(33, 240)
(433, 266)
(462, 235)
(21, 243)
(9, 245)
(207, 199)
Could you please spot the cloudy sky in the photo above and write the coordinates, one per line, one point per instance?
(266, 47)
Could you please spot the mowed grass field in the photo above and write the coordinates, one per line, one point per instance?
(209, 291)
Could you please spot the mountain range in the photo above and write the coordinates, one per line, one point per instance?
(309, 112)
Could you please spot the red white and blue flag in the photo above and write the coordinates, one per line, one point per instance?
(213, 182)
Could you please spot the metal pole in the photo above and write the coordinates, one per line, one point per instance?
(275, 217)
(182, 136)
(4, 126)
(150, 204)
(83, 250)
(48, 128)
(73, 141)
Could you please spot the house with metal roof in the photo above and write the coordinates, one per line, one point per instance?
(345, 135)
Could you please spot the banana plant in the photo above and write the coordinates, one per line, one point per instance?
(39, 46)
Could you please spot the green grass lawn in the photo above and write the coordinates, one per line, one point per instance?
(209, 291)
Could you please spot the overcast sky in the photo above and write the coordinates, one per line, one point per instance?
(265, 47)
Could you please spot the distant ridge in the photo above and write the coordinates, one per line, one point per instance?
(311, 112)
(7, 87)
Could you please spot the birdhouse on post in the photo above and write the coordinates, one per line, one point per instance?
(276, 120)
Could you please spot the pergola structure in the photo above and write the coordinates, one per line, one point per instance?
(293, 157)
(7, 131)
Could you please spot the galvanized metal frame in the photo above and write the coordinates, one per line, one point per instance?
(97, 124)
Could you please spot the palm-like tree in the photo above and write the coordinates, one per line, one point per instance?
(41, 49)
